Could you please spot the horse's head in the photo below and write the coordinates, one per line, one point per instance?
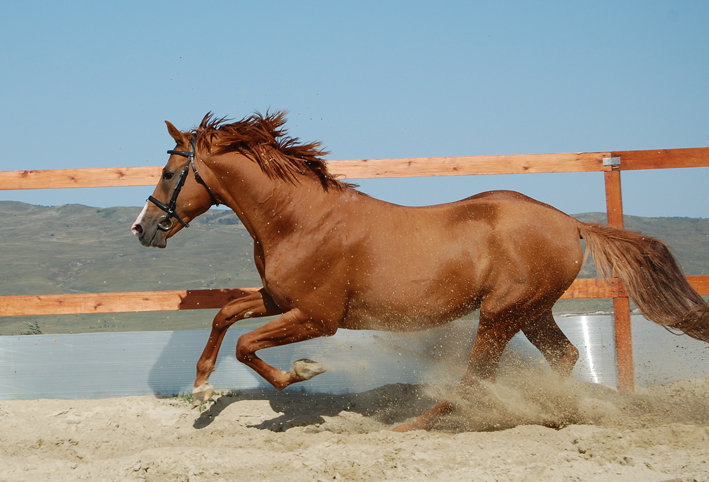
(179, 196)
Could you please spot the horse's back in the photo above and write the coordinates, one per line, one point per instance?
(438, 262)
(490, 225)
(508, 213)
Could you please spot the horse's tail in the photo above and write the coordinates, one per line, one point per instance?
(652, 277)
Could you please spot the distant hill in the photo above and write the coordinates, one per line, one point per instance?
(75, 248)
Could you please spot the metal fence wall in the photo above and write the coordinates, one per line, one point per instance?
(98, 365)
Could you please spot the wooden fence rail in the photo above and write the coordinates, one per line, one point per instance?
(172, 300)
(382, 168)
(611, 163)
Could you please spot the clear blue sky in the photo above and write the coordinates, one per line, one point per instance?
(88, 84)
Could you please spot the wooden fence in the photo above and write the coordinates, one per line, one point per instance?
(609, 163)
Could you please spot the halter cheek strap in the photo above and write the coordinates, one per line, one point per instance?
(166, 223)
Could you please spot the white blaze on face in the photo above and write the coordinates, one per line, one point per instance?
(137, 229)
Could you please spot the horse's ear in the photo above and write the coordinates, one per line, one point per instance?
(175, 132)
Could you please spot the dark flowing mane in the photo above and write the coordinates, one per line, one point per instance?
(263, 139)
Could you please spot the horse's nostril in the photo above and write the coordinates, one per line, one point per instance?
(137, 229)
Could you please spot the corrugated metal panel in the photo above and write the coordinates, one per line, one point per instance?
(163, 363)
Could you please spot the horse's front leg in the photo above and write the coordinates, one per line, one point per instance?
(254, 304)
(292, 327)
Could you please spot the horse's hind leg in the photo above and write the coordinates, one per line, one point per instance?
(255, 304)
(494, 332)
(544, 333)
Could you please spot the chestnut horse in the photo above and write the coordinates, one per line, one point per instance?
(332, 257)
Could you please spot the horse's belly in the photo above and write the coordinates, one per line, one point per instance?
(405, 315)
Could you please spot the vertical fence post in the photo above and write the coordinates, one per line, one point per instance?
(621, 304)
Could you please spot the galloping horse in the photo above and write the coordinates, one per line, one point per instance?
(332, 257)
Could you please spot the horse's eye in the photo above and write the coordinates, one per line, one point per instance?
(167, 175)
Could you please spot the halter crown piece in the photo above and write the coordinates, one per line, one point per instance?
(166, 223)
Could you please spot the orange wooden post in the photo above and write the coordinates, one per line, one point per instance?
(621, 304)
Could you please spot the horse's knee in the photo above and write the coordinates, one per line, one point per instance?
(205, 366)
(244, 352)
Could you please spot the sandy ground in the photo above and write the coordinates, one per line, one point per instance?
(526, 426)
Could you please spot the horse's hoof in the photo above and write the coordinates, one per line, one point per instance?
(416, 424)
(307, 369)
(428, 420)
(405, 427)
(201, 394)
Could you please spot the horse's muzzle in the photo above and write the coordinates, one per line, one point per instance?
(156, 240)
(151, 236)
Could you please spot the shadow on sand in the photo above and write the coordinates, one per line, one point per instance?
(524, 396)
(390, 404)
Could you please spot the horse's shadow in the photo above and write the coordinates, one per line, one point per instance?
(389, 404)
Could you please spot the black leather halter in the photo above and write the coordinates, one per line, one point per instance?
(166, 222)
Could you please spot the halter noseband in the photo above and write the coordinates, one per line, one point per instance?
(166, 222)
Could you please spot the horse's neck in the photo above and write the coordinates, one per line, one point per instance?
(269, 208)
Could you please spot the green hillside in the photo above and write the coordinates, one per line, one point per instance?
(80, 249)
